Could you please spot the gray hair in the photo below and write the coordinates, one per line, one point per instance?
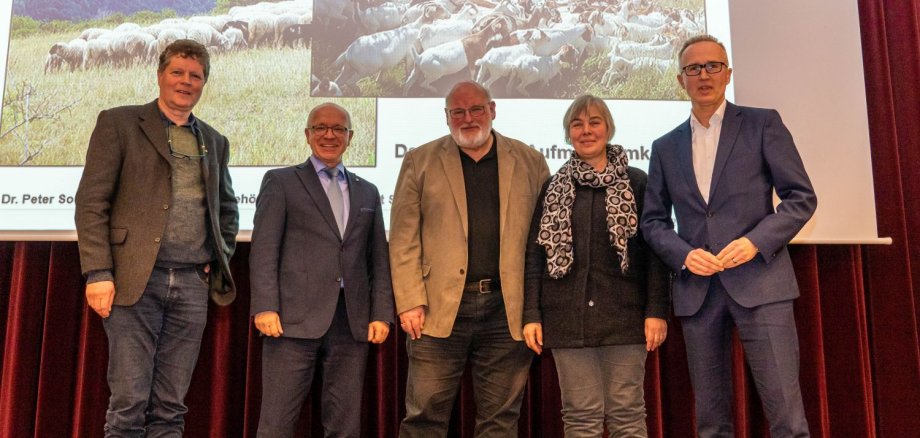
(329, 104)
(483, 90)
(699, 39)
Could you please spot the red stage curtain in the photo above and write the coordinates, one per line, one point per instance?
(857, 317)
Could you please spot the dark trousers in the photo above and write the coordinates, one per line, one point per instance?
(500, 368)
(153, 348)
(288, 366)
(771, 348)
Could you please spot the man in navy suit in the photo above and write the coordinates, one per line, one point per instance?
(320, 278)
(718, 171)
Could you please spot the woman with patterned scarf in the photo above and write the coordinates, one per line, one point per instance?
(594, 292)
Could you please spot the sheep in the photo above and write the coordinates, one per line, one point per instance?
(443, 31)
(652, 49)
(530, 69)
(237, 24)
(452, 57)
(554, 39)
(71, 52)
(128, 47)
(641, 33)
(98, 53)
(262, 30)
(235, 39)
(325, 87)
(127, 27)
(167, 37)
(380, 51)
(620, 68)
(204, 34)
(379, 18)
(498, 62)
(93, 33)
(217, 22)
(53, 63)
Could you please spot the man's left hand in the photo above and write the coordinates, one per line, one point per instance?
(377, 332)
(737, 253)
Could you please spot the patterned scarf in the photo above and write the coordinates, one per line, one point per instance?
(556, 222)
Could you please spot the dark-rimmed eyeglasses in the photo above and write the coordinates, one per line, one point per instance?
(460, 113)
(202, 151)
(320, 130)
(711, 67)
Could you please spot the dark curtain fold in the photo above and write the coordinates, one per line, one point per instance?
(857, 318)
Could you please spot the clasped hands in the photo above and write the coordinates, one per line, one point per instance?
(269, 324)
(704, 263)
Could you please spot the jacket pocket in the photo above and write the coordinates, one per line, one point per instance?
(117, 235)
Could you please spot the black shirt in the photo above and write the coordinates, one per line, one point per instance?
(480, 179)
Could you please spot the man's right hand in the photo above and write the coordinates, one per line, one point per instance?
(269, 323)
(702, 262)
(99, 296)
(412, 321)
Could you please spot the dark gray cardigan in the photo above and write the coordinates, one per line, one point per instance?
(595, 304)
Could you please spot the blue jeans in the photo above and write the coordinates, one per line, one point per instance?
(602, 385)
(500, 367)
(153, 348)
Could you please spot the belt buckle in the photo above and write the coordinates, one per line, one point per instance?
(485, 286)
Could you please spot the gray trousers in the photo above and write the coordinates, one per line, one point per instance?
(602, 385)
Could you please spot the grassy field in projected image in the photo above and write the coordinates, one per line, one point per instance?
(258, 98)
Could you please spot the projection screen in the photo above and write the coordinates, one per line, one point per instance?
(391, 63)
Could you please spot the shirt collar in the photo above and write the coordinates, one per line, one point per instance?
(319, 165)
(716, 117)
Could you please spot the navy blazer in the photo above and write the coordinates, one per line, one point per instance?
(755, 155)
(298, 259)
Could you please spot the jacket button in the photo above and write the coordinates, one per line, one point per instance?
(709, 214)
(156, 239)
(591, 303)
(165, 206)
(462, 271)
(338, 279)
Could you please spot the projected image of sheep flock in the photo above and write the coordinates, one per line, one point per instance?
(62, 72)
(617, 49)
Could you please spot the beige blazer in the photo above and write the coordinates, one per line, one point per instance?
(428, 229)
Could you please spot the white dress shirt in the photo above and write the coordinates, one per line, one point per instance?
(705, 144)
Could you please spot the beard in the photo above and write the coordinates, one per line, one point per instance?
(472, 141)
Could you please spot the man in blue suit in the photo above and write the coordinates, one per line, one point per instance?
(320, 277)
(718, 172)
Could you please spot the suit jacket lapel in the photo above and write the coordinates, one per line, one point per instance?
(731, 126)
(685, 159)
(506, 164)
(354, 204)
(450, 159)
(152, 126)
(307, 174)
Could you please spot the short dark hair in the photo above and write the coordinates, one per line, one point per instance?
(699, 39)
(186, 49)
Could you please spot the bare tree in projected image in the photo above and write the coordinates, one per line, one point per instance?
(626, 49)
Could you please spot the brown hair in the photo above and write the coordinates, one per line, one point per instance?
(186, 49)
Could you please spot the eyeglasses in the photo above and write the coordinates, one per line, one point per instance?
(321, 130)
(460, 113)
(176, 154)
(711, 67)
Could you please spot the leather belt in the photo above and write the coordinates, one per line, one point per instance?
(484, 286)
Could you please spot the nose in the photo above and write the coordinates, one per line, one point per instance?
(329, 133)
